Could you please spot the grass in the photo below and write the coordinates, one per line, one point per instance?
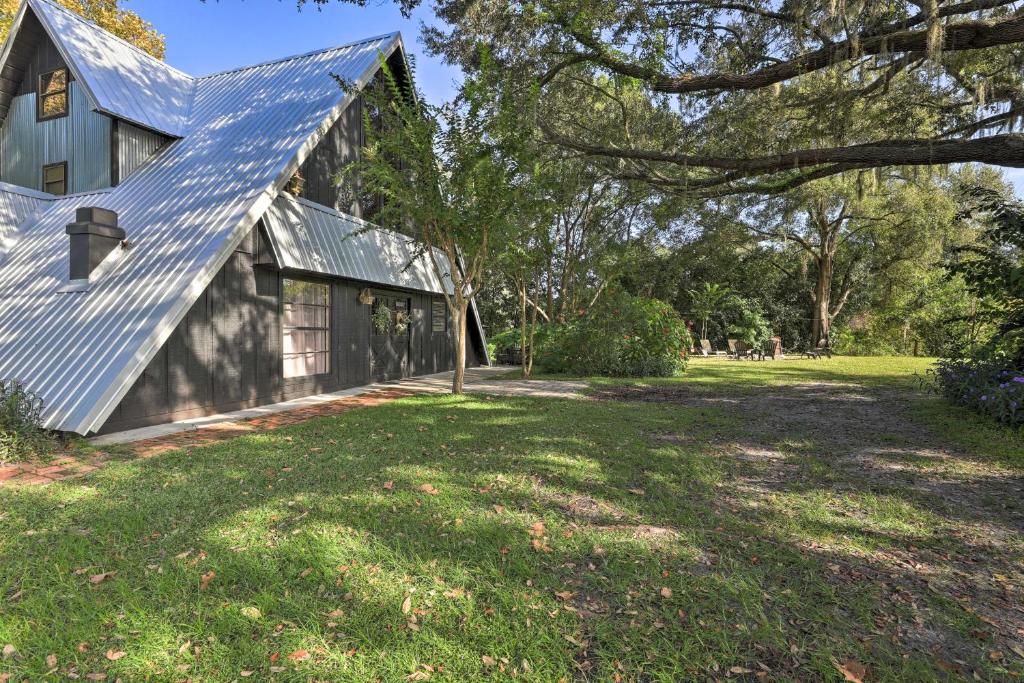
(485, 537)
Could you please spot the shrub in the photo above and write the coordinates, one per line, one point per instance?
(622, 336)
(751, 326)
(21, 432)
(988, 385)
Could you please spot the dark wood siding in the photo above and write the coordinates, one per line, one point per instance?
(226, 353)
(43, 57)
(339, 147)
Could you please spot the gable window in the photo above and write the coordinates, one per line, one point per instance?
(55, 178)
(305, 328)
(53, 94)
(438, 316)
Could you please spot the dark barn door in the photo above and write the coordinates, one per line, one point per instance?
(389, 338)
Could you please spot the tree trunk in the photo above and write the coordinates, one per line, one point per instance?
(821, 320)
(523, 325)
(460, 314)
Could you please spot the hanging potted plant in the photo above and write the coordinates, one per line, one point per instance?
(381, 319)
(366, 297)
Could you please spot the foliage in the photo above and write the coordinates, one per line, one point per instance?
(751, 327)
(381, 318)
(454, 177)
(622, 336)
(21, 432)
(993, 267)
(991, 386)
(107, 14)
(706, 300)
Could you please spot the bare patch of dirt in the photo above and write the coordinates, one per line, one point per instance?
(851, 439)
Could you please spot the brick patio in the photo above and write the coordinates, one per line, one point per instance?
(70, 466)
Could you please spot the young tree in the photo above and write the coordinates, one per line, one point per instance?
(449, 178)
(107, 14)
(706, 300)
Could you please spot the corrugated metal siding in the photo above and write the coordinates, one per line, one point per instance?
(134, 146)
(248, 132)
(122, 80)
(313, 238)
(82, 138)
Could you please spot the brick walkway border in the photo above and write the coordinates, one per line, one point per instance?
(70, 466)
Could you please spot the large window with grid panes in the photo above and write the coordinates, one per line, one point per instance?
(305, 328)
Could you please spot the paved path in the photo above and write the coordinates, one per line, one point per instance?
(149, 441)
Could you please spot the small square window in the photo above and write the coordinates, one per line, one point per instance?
(53, 94)
(55, 178)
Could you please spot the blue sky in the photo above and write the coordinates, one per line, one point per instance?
(205, 37)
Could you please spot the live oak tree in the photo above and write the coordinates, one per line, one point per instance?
(763, 96)
(853, 234)
(107, 14)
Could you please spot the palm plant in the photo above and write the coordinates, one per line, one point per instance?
(705, 301)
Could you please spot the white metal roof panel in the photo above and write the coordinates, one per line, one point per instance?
(248, 131)
(313, 238)
(121, 79)
(17, 204)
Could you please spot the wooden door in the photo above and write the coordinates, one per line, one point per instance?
(390, 323)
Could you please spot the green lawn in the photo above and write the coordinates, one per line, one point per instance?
(700, 528)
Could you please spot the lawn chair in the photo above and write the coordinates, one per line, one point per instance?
(705, 348)
(732, 347)
(741, 349)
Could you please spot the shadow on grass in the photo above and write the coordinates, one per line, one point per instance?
(316, 535)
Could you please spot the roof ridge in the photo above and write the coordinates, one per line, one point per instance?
(303, 55)
(11, 188)
(97, 27)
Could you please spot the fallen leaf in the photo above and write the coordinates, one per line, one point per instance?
(99, 676)
(4, 677)
(299, 655)
(666, 592)
(540, 546)
(206, 579)
(564, 595)
(305, 572)
(51, 661)
(251, 612)
(852, 671)
(418, 676)
(407, 604)
(246, 674)
(9, 651)
(429, 489)
(97, 579)
(488, 661)
(537, 529)
(500, 509)
(740, 670)
(637, 492)
(389, 485)
(83, 647)
(114, 655)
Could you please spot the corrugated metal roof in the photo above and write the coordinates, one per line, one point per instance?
(121, 79)
(16, 204)
(313, 238)
(247, 132)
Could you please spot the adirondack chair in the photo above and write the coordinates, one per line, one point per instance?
(705, 348)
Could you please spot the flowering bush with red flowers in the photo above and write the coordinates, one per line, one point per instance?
(621, 336)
